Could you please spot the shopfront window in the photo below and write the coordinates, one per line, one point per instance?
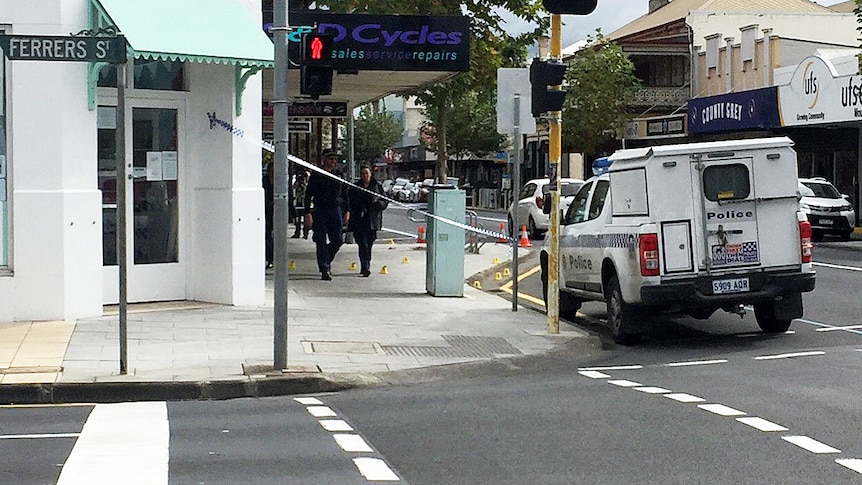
(107, 152)
(4, 158)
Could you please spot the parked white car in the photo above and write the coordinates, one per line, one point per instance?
(530, 204)
(408, 193)
(829, 211)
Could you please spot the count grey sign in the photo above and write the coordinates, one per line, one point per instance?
(56, 48)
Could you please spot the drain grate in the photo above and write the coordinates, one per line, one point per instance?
(459, 346)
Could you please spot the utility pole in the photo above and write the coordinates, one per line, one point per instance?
(280, 183)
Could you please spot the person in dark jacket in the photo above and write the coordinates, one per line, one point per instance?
(329, 199)
(366, 218)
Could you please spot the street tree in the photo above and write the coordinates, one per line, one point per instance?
(374, 132)
(601, 85)
(491, 47)
(471, 127)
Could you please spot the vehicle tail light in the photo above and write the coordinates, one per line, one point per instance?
(805, 241)
(648, 244)
(540, 201)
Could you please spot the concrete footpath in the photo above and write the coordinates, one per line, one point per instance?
(343, 333)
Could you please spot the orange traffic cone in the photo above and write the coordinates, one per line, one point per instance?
(420, 236)
(502, 238)
(525, 241)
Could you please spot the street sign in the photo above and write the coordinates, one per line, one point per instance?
(58, 48)
(299, 126)
(511, 82)
(319, 109)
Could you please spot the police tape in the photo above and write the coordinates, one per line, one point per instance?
(239, 133)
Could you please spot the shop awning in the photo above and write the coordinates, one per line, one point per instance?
(212, 31)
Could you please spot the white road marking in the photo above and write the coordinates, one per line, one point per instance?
(375, 469)
(788, 356)
(615, 367)
(36, 436)
(721, 410)
(811, 445)
(697, 362)
(321, 411)
(854, 464)
(593, 374)
(682, 397)
(308, 401)
(335, 425)
(352, 443)
(625, 383)
(652, 390)
(830, 329)
(128, 440)
(819, 324)
(761, 424)
(837, 266)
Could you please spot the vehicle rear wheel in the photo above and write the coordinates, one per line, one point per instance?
(511, 225)
(765, 315)
(620, 314)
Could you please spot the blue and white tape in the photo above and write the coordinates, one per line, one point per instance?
(239, 133)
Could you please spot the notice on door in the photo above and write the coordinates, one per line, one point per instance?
(169, 165)
(154, 166)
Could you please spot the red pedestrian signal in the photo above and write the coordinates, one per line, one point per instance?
(316, 48)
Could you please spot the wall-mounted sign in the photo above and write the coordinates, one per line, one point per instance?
(319, 109)
(386, 42)
(671, 126)
(299, 126)
(816, 95)
(56, 48)
(745, 110)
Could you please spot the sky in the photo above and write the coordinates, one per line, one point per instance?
(609, 15)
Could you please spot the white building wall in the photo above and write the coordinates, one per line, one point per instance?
(55, 210)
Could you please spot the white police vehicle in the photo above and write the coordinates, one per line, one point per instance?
(690, 229)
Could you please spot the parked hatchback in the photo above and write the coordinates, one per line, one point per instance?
(530, 204)
(829, 211)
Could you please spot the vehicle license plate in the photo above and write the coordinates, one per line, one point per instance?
(826, 222)
(736, 285)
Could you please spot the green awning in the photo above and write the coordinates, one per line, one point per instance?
(217, 31)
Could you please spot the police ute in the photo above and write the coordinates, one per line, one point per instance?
(688, 229)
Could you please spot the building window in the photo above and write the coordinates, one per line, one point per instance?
(149, 74)
(4, 159)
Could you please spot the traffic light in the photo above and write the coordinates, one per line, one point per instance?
(316, 66)
(571, 7)
(543, 74)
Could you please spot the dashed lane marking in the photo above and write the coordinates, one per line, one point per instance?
(335, 425)
(352, 443)
(721, 410)
(593, 374)
(697, 362)
(826, 325)
(375, 470)
(614, 367)
(790, 355)
(683, 397)
(625, 383)
(854, 464)
(653, 390)
(761, 424)
(321, 411)
(837, 266)
(308, 401)
(831, 329)
(38, 436)
(810, 444)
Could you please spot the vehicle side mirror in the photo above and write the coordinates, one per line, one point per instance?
(846, 197)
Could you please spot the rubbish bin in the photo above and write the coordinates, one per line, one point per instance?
(444, 264)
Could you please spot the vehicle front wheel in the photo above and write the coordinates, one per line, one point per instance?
(511, 227)
(568, 304)
(533, 232)
(765, 315)
(620, 314)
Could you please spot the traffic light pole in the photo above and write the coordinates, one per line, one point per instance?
(554, 144)
(280, 184)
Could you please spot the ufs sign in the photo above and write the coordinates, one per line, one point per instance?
(55, 48)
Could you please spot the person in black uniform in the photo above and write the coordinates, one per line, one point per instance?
(328, 197)
(366, 219)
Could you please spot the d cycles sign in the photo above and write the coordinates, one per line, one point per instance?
(388, 42)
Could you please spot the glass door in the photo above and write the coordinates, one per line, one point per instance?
(154, 207)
